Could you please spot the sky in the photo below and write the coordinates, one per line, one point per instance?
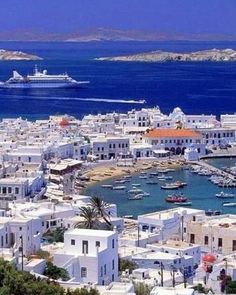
(71, 16)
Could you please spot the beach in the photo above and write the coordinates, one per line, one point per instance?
(100, 172)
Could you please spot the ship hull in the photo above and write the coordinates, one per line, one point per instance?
(40, 85)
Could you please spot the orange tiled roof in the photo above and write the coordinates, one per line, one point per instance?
(172, 133)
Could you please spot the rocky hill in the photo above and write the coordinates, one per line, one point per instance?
(17, 55)
(214, 55)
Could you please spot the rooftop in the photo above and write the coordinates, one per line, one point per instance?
(172, 133)
(90, 232)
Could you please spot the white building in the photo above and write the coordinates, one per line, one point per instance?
(89, 256)
(174, 140)
(105, 148)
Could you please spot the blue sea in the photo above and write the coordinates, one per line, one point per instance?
(203, 87)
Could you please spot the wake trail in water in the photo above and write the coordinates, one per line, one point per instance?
(107, 100)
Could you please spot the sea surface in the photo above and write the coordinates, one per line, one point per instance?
(200, 191)
(196, 87)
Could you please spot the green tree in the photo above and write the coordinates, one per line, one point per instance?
(127, 264)
(101, 207)
(55, 273)
(231, 287)
(90, 217)
(142, 289)
(84, 291)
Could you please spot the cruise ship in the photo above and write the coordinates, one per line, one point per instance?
(41, 80)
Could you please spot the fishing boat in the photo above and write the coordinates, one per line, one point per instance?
(164, 177)
(152, 182)
(107, 185)
(143, 177)
(183, 203)
(136, 197)
(119, 187)
(229, 204)
(136, 184)
(176, 199)
(170, 186)
(180, 183)
(223, 195)
(153, 173)
(135, 191)
(145, 194)
(120, 181)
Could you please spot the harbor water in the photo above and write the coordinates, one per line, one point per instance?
(199, 190)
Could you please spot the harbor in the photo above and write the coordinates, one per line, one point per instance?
(200, 191)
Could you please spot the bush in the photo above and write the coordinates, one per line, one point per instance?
(55, 273)
(142, 289)
(127, 264)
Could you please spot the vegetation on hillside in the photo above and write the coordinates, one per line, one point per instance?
(14, 282)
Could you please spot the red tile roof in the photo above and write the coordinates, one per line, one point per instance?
(172, 133)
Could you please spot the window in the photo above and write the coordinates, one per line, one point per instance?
(220, 242)
(234, 245)
(72, 242)
(9, 190)
(101, 271)
(113, 263)
(97, 244)
(112, 278)
(16, 190)
(4, 190)
(113, 243)
(206, 240)
(105, 269)
(20, 228)
(83, 272)
(85, 247)
(192, 238)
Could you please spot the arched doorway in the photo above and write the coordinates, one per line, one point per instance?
(183, 149)
(172, 150)
(178, 151)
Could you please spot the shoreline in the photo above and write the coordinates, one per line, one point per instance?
(110, 170)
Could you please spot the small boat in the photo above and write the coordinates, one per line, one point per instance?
(136, 197)
(180, 183)
(135, 191)
(136, 184)
(170, 186)
(145, 194)
(143, 177)
(152, 182)
(176, 199)
(228, 204)
(107, 185)
(153, 173)
(183, 203)
(119, 187)
(223, 195)
(120, 181)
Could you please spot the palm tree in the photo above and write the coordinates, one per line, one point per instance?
(90, 216)
(101, 207)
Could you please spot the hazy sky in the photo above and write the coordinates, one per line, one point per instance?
(182, 16)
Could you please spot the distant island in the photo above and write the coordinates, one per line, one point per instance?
(17, 55)
(109, 35)
(215, 55)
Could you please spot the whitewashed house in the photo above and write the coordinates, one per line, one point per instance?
(89, 256)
